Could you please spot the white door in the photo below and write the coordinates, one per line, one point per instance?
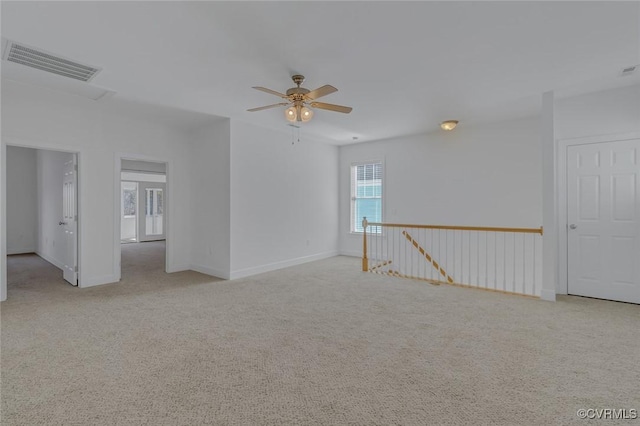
(151, 224)
(603, 205)
(70, 221)
(128, 212)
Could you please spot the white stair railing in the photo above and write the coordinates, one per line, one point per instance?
(506, 260)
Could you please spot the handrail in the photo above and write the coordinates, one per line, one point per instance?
(487, 257)
(460, 228)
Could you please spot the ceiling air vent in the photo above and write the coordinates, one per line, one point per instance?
(36, 58)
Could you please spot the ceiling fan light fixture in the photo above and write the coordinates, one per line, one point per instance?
(449, 125)
(290, 114)
(300, 101)
(306, 114)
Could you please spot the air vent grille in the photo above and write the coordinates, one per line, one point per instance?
(34, 58)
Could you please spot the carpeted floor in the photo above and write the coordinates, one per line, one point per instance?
(317, 344)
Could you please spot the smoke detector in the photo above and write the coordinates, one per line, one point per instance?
(48, 62)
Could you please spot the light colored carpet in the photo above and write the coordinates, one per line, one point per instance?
(317, 344)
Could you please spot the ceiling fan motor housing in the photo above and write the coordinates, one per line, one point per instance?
(297, 92)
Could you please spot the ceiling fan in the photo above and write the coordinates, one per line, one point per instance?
(300, 100)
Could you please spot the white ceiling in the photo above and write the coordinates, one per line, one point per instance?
(402, 66)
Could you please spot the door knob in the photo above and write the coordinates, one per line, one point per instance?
(573, 226)
(62, 223)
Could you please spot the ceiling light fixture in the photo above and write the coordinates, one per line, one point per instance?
(298, 112)
(290, 114)
(306, 114)
(301, 101)
(449, 125)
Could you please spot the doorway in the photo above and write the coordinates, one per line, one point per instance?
(42, 218)
(603, 218)
(142, 217)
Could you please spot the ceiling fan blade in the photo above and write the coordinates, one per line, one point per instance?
(273, 92)
(325, 90)
(332, 107)
(267, 107)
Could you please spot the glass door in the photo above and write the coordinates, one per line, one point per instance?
(128, 212)
(151, 226)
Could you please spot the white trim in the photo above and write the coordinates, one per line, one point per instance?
(613, 137)
(3, 222)
(351, 188)
(179, 268)
(210, 271)
(242, 273)
(51, 260)
(101, 280)
(350, 253)
(563, 245)
(26, 250)
(137, 177)
(12, 141)
(117, 178)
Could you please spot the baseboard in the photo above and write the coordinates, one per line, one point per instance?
(179, 268)
(548, 295)
(94, 281)
(51, 260)
(210, 271)
(350, 253)
(12, 251)
(242, 273)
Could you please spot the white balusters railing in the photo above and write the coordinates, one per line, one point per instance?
(497, 259)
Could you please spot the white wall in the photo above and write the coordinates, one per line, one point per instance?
(283, 199)
(284, 207)
(37, 117)
(51, 238)
(606, 112)
(211, 200)
(22, 220)
(485, 175)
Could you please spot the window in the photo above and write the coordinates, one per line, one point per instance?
(366, 195)
(129, 198)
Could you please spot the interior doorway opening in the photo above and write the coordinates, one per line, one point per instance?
(42, 218)
(142, 217)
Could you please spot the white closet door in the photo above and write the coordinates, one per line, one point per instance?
(603, 205)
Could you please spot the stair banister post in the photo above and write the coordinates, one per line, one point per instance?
(365, 261)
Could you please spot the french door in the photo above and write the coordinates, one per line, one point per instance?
(151, 223)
